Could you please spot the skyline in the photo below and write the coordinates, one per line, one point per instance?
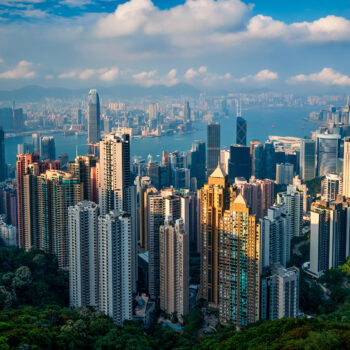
(223, 44)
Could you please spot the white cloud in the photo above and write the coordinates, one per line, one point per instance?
(15, 2)
(68, 75)
(30, 13)
(220, 23)
(1, 60)
(192, 72)
(326, 76)
(150, 78)
(262, 76)
(22, 71)
(105, 74)
(87, 74)
(192, 17)
(49, 76)
(76, 3)
(110, 74)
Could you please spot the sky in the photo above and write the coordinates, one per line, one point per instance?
(289, 46)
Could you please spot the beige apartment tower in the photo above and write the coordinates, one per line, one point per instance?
(239, 265)
(215, 198)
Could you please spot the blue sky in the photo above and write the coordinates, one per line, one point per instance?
(299, 46)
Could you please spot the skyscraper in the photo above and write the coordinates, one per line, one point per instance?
(82, 167)
(159, 206)
(280, 293)
(258, 194)
(239, 163)
(269, 161)
(23, 161)
(252, 146)
(215, 198)
(346, 168)
(330, 235)
(3, 168)
(307, 159)
(93, 117)
(174, 267)
(275, 237)
(145, 190)
(284, 173)
(197, 161)
(331, 187)
(36, 143)
(213, 147)
(241, 131)
(187, 112)
(114, 171)
(48, 149)
(57, 191)
(293, 200)
(115, 259)
(258, 159)
(83, 254)
(327, 153)
(116, 191)
(239, 265)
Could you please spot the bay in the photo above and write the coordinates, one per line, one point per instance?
(261, 123)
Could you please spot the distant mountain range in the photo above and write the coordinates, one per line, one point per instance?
(33, 93)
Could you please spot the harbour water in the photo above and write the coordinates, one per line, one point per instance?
(261, 123)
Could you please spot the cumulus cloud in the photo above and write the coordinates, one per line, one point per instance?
(192, 73)
(76, 3)
(262, 76)
(104, 74)
(150, 78)
(191, 17)
(110, 74)
(198, 23)
(68, 75)
(22, 71)
(326, 76)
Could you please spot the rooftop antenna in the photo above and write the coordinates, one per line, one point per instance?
(238, 108)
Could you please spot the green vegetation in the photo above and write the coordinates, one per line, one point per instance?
(31, 278)
(34, 295)
(314, 186)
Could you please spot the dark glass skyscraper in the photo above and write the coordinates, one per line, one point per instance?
(259, 161)
(239, 163)
(196, 162)
(213, 147)
(269, 161)
(3, 170)
(48, 149)
(94, 117)
(241, 131)
(187, 112)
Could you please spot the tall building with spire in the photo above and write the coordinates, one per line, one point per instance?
(93, 117)
(215, 198)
